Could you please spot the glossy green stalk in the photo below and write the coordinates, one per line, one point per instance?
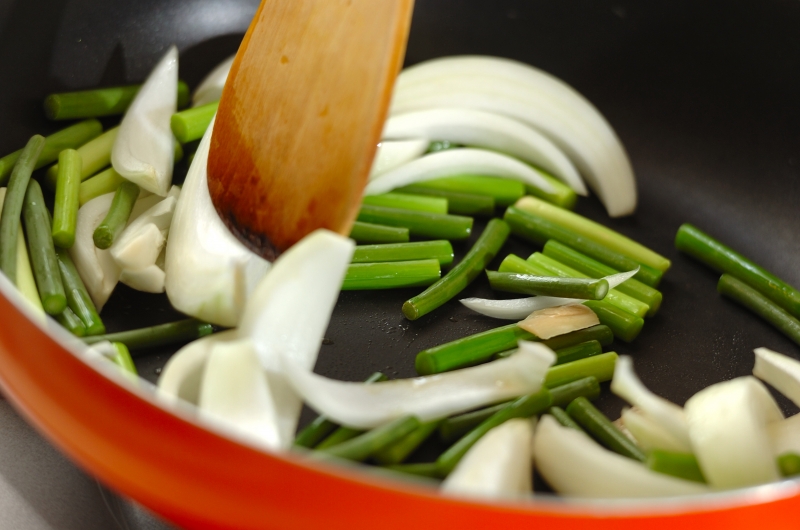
(601, 367)
(398, 451)
(504, 191)
(123, 358)
(583, 288)
(594, 231)
(163, 334)
(419, 224)
(65, 209)
(406, 201)
(107, 181)
(391, 275)
(538, 230)
(563, 345)
(191, 124)
(95, 155)
(457, 202)
(440, 250)
(603, 430)
(365, 445)
(118, 214)
(681, 465)
(562, 195)
(564, 419)
(71, 322)
(476, 260)
(78, 298)
(425, 469)
(72, 137)
(579, 351)
(98, 102)
(375, 233)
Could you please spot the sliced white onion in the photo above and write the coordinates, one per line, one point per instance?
(210, 273)
(573, 464)
(522, 92)
(143, 151)
(498, 465)
(615, 279)
(728, 428)
(668, 415)
(515, 309)
(785, 435)
(554, 321)
(210, 88)
(149, 279)
(476, 128)
(650, 434)
(432, 397)
(780, 371)
(393, 154)
(139, 248)
(457, 162)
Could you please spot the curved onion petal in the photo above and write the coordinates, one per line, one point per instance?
(96, 267)
(498, 465)
(573, 464)
(477, 128)
(648, 433)
(728, 427)
(210, 88)
(210, 274)
(143, 151)
(785, 435)
(538, 99)
(780, 371)
(457, 162)
(393, 154)
(668, 415)
(148, 279)
(515, 309)
(432, 397)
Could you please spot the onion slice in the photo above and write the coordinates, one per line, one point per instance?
(432, 397)
(457, 162)
(780, 371)
(554, 321)
(143, 151)
(210, 88)
(517, 308)
(650, 434)
(785, 435)
(150, 279)
(393, 154)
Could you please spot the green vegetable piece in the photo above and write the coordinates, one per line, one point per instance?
(71, 322)
(600, 367)
(375, 233)
(538, 230)
(191, 124)
(161, 335)
(391, 275)
(365, 445)
(419, 224)
(340, 435)
(440, 250)
(476, 260)
(457, 202)
(65, 210)
(563, 418)
(789, 464)
(587, 387)
(12, 206)
(123, 358)
(504, 191)
(512, 282)
(78, 299)
(398, 451)
(681, 465)
(562, 195)
(104, 182)
(759, 304)
(577, 352)
(72, 137)
(98, 102)
(406, 201)
(601, 429)
(95, 155)
(725, 260)
(118, 214)
(426, 469)
(594, 269)
(600, 333)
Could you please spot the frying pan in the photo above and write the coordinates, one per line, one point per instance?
(702, 94)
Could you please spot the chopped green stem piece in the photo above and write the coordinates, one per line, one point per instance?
(118, 214)
(65, 210)
(71, 322)
(172, 333)
(579, 351)
(476, 260)
(759, 304)
(522, 407)
(505, 192)
(340, 435)
(583, 288)
(601, 333)
(365, 445)
(12, 205)
(398, 451)
(587, 387)
(724, 259)
(98, 102)
(440, 250)
(601, 367)
(563, 418)
(321, 427)
(104, 182)
(601, 429)
(594, 231)
(419, 224)
(425, 469)
(594, 269)
(42, 251)
(442, 145)
(78, 298)
(406, 201)
(681, 465)
(539, 230)
(374, 233)
(123, 358)
(789, 464)
(95, 155)
(457, 202)
(72, 137)
(562, 195)
(391, 275)
(191, 124)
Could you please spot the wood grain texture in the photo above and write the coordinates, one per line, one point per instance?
(301, 116)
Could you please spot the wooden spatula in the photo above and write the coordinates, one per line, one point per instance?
(301, 116)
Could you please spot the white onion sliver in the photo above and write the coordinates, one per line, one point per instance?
(615, 280)
(393, 154)
(457, 162)
(139, 249)
(780, 371)
(149, 279)
(210, 88)
(785, 435)
(432, 397)
(517, 308)
(648, 433)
